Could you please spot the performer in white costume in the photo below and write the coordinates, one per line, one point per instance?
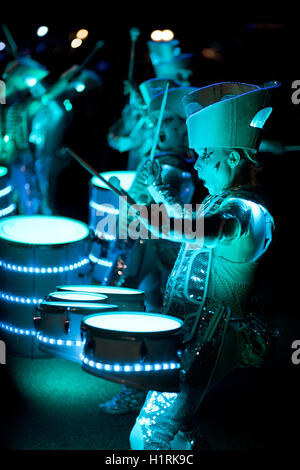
(211, 282)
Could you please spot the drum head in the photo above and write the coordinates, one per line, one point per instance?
(42, 229)
(61, 296)
(136, 323)
(105, 290)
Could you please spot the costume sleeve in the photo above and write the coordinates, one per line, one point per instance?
(248, 220)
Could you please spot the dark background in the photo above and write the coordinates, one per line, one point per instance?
(251, 50)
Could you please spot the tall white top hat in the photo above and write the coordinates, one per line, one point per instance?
(167, 59)
(228, 114)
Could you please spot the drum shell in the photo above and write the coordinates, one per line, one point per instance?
(103, 195)
(101, 249)
(31, 285)
(113, 347)
(6, 199)
(62, 325)
(109, 347)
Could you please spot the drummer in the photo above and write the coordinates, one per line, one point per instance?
(149, 263)
(212, 278)
(132, 132)
(33, 126)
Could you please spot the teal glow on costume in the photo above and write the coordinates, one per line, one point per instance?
(210, 284)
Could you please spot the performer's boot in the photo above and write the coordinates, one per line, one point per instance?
(127, 400)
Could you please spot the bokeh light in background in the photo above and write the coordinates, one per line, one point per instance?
(42, 31)
(165, 35)
(82, 34)
(76, 43)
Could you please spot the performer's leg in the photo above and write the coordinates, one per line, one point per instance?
(161, 417)
(164, 414)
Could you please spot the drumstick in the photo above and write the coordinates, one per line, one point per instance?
(12, 44)
(93, 172)
(134, 34)
(99, 44)
(292, 148)
(161, 114)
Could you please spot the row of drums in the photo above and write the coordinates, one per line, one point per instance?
(50, 304)
(106, 329)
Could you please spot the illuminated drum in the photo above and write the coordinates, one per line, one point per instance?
(7, 206)
(103, 215)
(36, 254)
(64, 296)
(137, 349)
(125, 298)
(58, 326)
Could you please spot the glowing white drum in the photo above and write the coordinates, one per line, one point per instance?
(64, 296)
(7, 206)
(103, 215)
(126, 298)
(133, 348)
(36, 253)
(58, 326)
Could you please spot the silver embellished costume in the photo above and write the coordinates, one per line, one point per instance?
(203, 281)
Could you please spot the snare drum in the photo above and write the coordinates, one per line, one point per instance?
(133, 348)
(36, 253)
(58, 326)
(7, 206)
(127, 299)
(104, 205)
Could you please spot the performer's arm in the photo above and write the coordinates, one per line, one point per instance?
(233, 220)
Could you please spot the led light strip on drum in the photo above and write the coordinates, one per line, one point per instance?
(129, 367)
(58, 342)
(104, 209)
(7, 210)
(6, 191)
(101, 261)
(20, 299)
(17, 331)
(43, 270)
(105, 236)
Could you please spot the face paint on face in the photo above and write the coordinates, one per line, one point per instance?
(217, 166)
(213, 169)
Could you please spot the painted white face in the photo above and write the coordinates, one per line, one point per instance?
(213, 168)
(172, 133)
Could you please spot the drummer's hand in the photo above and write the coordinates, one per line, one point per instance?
(120, 143)
(153, 172)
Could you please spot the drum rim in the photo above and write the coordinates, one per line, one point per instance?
(61, 308)
(57, 244)
(135, 291)
(102, 297)
(130, 334)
